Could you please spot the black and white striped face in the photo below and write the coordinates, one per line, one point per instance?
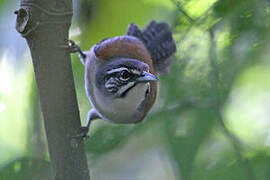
(117, 77)
(120, 80)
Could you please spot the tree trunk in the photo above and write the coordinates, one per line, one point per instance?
(45, 25)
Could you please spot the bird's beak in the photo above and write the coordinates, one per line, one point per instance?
(146, 77)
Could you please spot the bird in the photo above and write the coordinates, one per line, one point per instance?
(121, 73)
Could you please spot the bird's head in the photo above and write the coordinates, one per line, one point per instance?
(116, 77)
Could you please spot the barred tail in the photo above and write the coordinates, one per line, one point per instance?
(157, 37)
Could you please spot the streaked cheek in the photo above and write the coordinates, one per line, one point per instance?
(111, 85)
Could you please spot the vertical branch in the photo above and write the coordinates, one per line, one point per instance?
(214, 77)
(37, 144)
(45, 25)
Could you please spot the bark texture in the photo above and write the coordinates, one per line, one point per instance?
(45, 25)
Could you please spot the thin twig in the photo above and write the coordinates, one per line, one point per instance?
(178, 5)
(214, 77)
(199, 20)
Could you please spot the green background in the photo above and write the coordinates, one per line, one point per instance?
(212, 117)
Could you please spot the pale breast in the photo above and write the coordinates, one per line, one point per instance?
(122, 110)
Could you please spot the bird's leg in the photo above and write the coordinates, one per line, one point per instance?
(92, 115)
(73, 48)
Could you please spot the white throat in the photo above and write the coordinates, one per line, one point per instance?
(124, 109)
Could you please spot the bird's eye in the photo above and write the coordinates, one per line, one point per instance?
(125, 75)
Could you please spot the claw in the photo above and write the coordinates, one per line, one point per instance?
(92, 115)
(83, 134)
(73, 48)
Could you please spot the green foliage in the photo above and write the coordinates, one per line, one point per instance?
(2, 2)
(211, 119)
(26, 168)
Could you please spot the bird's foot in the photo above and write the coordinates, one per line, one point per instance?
(73, 47)
(82, 135)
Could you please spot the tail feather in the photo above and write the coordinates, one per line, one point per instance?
(133, 30)
(157, 37)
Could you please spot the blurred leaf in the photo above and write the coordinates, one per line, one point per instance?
(26, 169)
(226, 7)
(184, 146)
(111, 18)
(225, 167)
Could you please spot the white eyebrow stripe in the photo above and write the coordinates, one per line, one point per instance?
(116, 70)
(134, 71)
